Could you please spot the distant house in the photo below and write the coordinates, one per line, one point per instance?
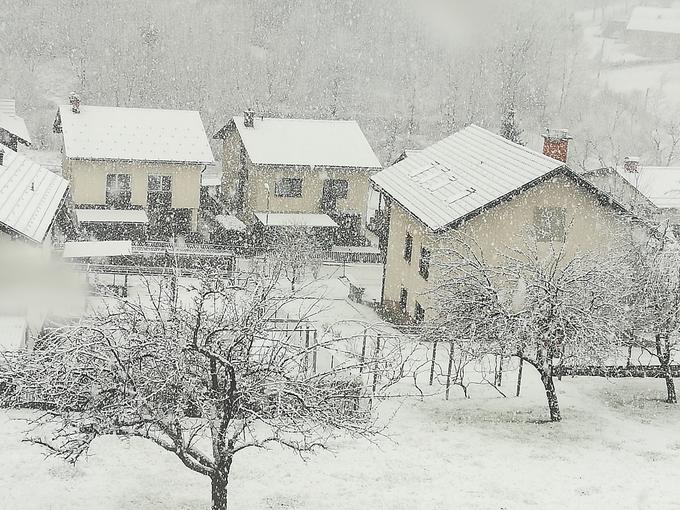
(654, 31)
(490, 190)
(31, 199)
(651, 192)
(310, 173)
(136, 167)
(13, 129)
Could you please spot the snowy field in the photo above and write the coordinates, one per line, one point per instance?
(618, 447)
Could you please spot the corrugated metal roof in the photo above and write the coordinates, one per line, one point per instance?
(138, 134)
(29, 195)
(655, 19)
(11, 122)
(460, 174)
(13, 333)
(661, 185)
(310, 142)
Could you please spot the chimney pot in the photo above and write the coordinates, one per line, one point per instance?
(75, 102)
(556, 144)
(631, 164)
(249, 118)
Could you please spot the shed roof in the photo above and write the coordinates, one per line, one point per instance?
(659, 184)
(655, 19)
(461, 174)
(11, 122)
(134, 134)
(273, 141)
(29, 196)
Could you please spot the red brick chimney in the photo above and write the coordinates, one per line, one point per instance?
(556, 144)
(249, 118)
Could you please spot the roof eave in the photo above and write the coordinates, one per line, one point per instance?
(133, 160)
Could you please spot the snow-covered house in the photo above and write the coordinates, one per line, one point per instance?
(312, 173)
(651, 192)
(31, 198)
(654, 31)
(135, 166)
(494, 192)
(13, 128)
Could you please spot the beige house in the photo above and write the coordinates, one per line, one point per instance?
(311, 173)
(134, 167)
(492, 191)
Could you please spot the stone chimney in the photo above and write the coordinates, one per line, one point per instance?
(2, 156)
(249, 118)
(75, 102)
(631, 164)
(556, 144)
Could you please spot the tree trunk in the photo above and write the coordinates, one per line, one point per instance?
(553, 405)
(670, 386)
(663, 352)
(219, 491)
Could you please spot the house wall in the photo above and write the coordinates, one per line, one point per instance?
(591, 226)
(88, 181)
(255, 193)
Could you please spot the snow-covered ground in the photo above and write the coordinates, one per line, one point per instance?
(617, 448)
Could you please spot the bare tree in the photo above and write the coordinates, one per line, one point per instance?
(205, 379)
(655, 308)
(535, 302)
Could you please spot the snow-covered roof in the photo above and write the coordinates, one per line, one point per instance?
(273, 141)
(461, 174)
(230, 222)
(295, 219)
(655, 19)
(659, 184)
(11, 122)
(134, 134)
(13, 332)
(80, 249)
(112, 216)
(29, 195)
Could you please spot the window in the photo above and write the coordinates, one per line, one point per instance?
(160, 183)
(424, 266)
(419, 315)
(118, 192)
(159, 191)
(408, 248)
(338, 188)
(332, 190)
(288, 188)
(403, 300)
(550, 223)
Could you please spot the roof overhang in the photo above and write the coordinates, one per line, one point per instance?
(82, 249)
(295, 220)
(112, 216)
